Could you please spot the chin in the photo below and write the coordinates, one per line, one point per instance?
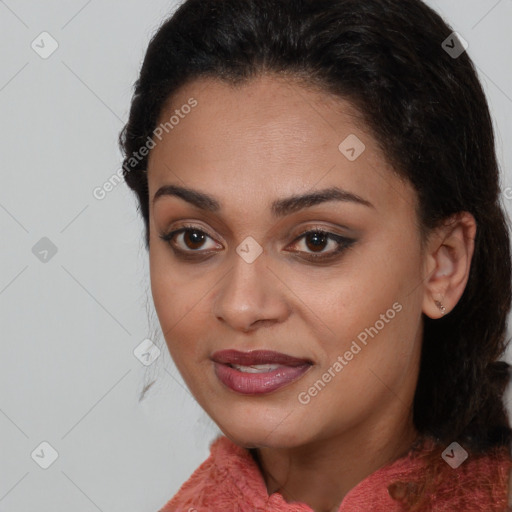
(256, 433)
(261, 439)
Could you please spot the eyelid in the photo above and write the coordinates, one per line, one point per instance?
(318, 229)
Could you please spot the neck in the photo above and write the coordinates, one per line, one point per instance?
(321, 473)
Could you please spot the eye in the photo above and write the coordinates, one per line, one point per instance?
(193, 239)
(318, 239)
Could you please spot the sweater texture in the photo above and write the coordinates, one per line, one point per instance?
(230, 480)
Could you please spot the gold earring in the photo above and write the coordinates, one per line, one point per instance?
(441, 307)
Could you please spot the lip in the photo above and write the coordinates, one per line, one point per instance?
(256, 357)
(290, 369)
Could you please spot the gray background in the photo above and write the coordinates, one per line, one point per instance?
(71, 319)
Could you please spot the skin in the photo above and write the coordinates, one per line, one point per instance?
(248, 146)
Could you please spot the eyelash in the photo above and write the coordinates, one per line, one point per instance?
(343, 242)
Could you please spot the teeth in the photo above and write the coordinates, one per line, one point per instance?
(256, 368)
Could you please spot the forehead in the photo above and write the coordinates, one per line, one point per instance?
(267, 138)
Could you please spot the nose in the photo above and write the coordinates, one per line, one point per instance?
(250, 296)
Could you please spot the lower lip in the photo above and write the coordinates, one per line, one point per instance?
(258, 383)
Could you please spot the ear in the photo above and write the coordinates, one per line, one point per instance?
(448, 255)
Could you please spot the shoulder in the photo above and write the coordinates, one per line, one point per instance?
(480, 480)
(472, 483)
(228, 477)
(429, 479)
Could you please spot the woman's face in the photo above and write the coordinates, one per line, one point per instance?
(243, 277)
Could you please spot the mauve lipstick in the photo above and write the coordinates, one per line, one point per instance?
(258, 371)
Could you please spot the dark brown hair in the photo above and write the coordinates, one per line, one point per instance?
(427, 110)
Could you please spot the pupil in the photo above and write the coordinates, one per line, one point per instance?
(319, 238)
(196, 238)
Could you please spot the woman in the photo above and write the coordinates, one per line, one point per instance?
(329, 259)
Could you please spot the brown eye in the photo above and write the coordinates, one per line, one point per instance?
(194, 238)
(317, 240)
(188, 239)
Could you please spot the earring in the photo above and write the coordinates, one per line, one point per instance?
(441, 307)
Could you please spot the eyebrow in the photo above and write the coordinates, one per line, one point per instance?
(279, 208)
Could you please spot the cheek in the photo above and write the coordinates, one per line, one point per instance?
(388, 266)
(177, 299)
(380, 279)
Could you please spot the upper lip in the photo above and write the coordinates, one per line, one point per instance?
(253, 357)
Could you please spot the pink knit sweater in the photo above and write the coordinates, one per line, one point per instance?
(230, 481)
